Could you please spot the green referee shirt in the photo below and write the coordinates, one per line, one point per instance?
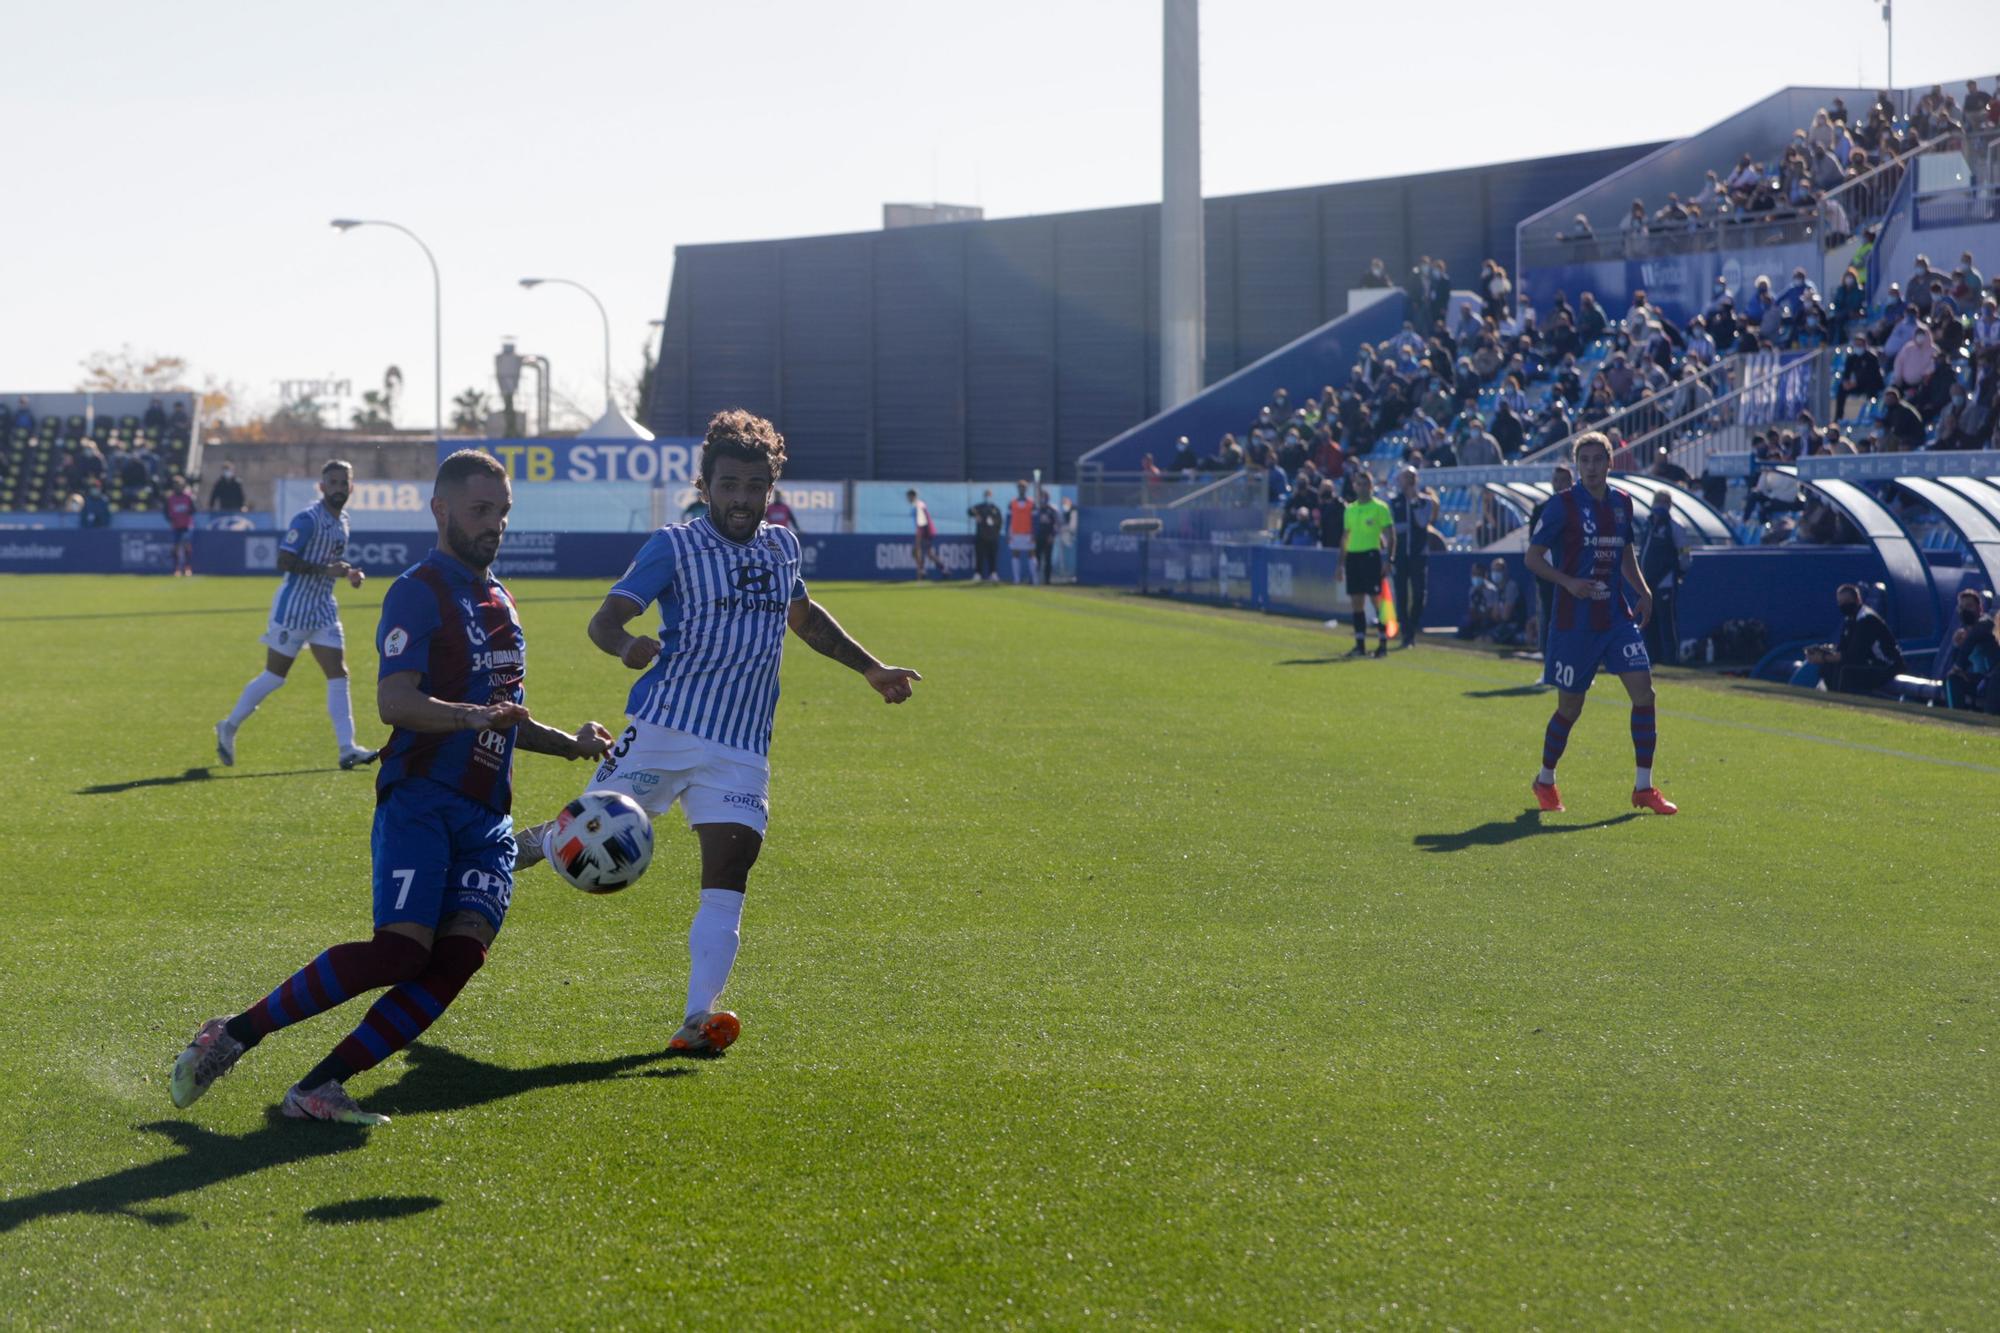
(1366, 521)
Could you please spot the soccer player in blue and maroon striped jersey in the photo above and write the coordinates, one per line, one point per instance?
(1583, 545)
(453, 686)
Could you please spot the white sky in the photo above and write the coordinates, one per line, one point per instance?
(171, 169)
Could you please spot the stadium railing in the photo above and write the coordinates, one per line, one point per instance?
(1647, 414)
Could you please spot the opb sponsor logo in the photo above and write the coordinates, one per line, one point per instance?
(1278, 580)
(260, 553)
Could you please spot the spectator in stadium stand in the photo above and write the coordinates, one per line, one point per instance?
(1478, 620)
(1479, 448)
(1021, 533)
(1986, 336)
(1579, 230)
(1865, 657)
(1414, 507)
(1666, 469)
(156, 416)
(1902, 429)
(986, 521)
(1184, 459)
(778, 513)
(1591, 321)
(1633, 228)
(1900, 334)
(1300, 530)
(177, 421)
(226, 496)
(96, 512)
(180, 508)
(1915, 362)
(1917, 288)
(1662, 557)
(1376, 275)
(133, 475)
(1960, 425)
(1850, 304)
(1974, 278)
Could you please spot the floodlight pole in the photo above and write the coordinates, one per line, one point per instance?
(1181, 258)
(568, 282)
(437, 315)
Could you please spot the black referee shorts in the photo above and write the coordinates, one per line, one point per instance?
(1364, 572)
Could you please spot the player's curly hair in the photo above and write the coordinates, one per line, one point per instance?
(736, 433)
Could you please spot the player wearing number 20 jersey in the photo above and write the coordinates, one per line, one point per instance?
(1582, 544)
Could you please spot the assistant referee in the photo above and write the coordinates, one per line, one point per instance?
(1367, 529)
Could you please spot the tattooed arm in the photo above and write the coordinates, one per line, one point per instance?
(823, 634)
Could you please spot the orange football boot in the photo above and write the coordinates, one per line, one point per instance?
(1651, 798)
(1547, 796)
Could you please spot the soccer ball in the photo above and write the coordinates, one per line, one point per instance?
(602, 842)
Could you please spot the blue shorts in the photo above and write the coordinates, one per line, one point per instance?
(438, 852)
(1572, 657)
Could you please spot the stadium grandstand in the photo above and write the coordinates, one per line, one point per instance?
(1786, 322)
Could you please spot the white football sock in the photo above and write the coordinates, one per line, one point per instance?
(712, 941)
(341, 709)
(1644, 780)
(261, 686)
(1548, 777)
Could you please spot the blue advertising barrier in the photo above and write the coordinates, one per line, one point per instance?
(567, 555)
(1790, 589)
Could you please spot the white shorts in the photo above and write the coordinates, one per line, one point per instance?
(288, 642)
(715, 784)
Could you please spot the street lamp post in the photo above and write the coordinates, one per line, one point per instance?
(569, 282)
(437, 313)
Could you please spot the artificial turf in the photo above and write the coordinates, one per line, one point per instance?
(1150, 967)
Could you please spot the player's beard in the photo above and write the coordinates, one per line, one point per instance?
(739, 522)
(478, 552)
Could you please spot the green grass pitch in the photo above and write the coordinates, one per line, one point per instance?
(1150, 968)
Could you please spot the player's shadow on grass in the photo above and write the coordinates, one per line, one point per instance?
(377, 1208)
(1509, 692)
(193, 775)
(1499, 832)
(442, 1080)
(1342, 659)
(438, 1080)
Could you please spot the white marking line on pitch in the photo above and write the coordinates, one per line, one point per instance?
(1677, 715)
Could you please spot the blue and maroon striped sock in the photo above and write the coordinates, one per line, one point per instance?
(400, 1017)
(1644, 737)
(1554, 741)
(333, 978)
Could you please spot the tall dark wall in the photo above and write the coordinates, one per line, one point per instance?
(984, 349)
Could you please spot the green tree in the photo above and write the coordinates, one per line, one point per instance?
(378, 406)
(469, 411)
(129, 371)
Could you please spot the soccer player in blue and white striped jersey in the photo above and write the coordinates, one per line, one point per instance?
(728, 586)
(304, 615)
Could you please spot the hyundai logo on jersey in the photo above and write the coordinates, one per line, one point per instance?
(754, 578)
